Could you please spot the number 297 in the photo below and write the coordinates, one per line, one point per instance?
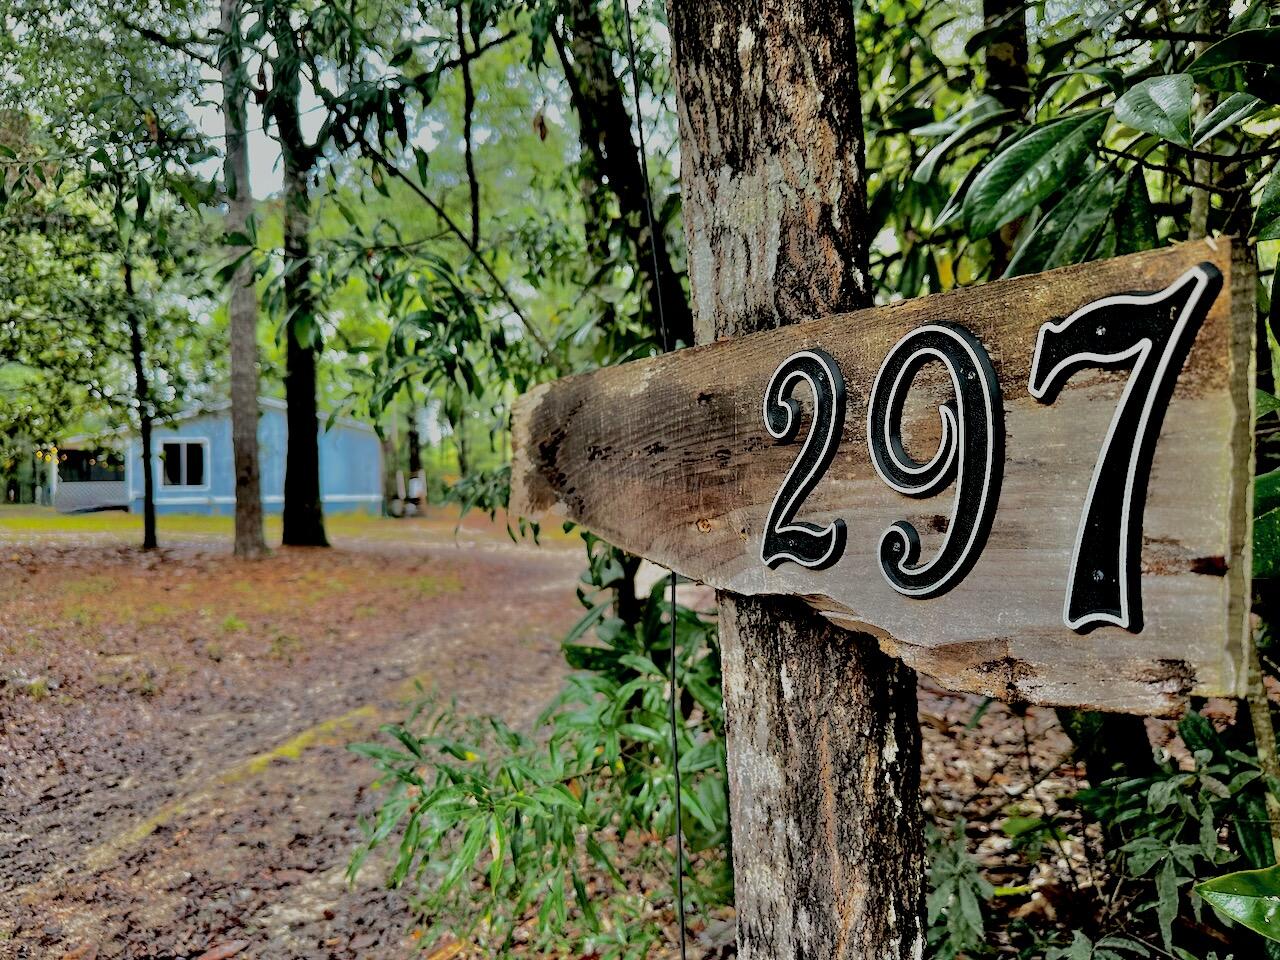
(1150, 333)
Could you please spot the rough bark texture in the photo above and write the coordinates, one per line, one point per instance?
(824, 745)
(605, 129)
(249, 542)
(142, 393)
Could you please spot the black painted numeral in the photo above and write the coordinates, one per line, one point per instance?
(786, 538)
(970, 455)
(1152, 333)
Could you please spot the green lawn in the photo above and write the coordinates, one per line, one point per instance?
(44, 521)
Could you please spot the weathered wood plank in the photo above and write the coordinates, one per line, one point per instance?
(669, 458)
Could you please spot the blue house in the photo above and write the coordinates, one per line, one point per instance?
(195, 471)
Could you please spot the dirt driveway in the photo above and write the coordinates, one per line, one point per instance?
(173, 771)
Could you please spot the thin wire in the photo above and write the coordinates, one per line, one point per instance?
(673, 693)
(644, 172)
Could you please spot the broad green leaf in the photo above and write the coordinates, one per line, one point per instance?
(1266, 219)
(1265, 403)
(1266, 492)
(1135, 219)
(1266, 544)
(1160, 105)
(1237, 107)
(1249, 897)
(1243, 61)
(1029, 170)
(1244, 46)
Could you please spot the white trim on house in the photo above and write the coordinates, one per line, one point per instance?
(205, 467)
(273, 498)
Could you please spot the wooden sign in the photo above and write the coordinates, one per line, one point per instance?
(1037, 489)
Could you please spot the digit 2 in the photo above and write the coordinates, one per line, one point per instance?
(786, 538)
(1152, 333)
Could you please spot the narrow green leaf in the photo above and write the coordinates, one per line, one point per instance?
(1265, 403)
(928, 166)
(1237, 107)
(1029, 170)
(1249, 897)
(1166, 901)
(1066, 233)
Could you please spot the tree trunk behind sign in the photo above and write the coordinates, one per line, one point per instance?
(824, 744)
(243, 308)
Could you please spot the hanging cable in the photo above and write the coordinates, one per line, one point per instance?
(673, 695)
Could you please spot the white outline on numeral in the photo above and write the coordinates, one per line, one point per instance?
(800, 491)
(960, 435)
(1141, 349)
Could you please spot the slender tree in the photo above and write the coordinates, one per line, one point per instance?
(243, 302)
(824, 743)
(599, 101)
(303, 510)
(142, 396)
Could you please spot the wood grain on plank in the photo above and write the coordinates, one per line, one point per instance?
(669, 458)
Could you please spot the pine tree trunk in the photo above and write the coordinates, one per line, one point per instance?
(303, 512)
(598, 99)
(824, 744)
(249, 542)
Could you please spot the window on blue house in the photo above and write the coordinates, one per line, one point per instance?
(183, 463)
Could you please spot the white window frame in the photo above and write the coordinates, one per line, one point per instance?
(184, 442)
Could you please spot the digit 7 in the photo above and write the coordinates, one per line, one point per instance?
(1152, 333)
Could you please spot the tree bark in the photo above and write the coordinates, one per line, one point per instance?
(415, 460)
(303, 513)
(243, 307)
(142, 393)
(824, 744)
(605, 130)
(1009, 83)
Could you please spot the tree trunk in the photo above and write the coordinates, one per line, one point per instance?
(605, 129)
(468, 110)
(249, 542)
(824, 744)
(417, 491)
(142, 393)
(303, 513)
(1009, 83)
(1006, 53)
